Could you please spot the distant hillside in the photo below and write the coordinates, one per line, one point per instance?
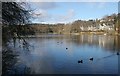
(106, 24)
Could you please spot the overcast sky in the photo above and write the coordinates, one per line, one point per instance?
(64, 12)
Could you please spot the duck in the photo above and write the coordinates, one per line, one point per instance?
(91, 59)
(117, 53)
(80, 61)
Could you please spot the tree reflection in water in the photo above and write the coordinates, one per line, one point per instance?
(111, 43)
(10, 58)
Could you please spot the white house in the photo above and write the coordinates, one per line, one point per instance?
(106, 27)
(101, 27)
(82, 28)
(92, 28)
(102, 20)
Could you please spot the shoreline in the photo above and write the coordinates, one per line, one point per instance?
(81, 33)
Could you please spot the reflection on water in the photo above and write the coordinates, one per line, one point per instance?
(111, 43)
(49, 55)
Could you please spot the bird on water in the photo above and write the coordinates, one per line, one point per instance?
(117, 53)
(80, 61)
(91, 59)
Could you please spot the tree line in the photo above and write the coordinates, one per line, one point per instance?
(74, 27)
